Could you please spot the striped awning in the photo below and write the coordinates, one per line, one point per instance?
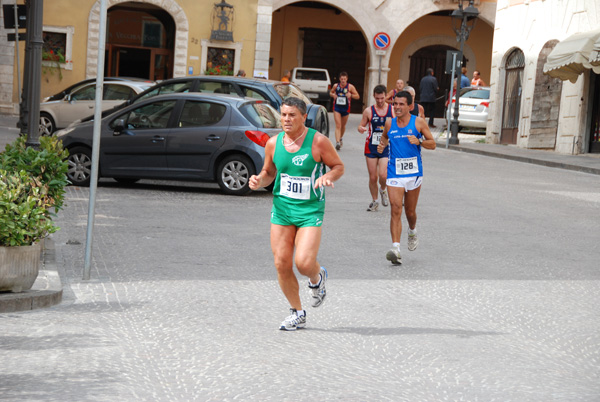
(574, 55)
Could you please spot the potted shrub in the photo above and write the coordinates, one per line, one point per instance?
(32, 186)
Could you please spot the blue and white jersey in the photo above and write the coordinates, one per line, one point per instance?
(405, 158)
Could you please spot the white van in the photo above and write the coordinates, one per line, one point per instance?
(314, 82)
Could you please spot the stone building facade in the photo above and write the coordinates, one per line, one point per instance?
(529, 108)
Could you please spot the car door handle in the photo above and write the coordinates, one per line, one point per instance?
(213, 137)
(157, 138)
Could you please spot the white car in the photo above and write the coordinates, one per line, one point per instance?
(474, 104)
(80, 103)
(314, 82)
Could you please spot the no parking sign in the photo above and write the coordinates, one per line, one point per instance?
(381, 41)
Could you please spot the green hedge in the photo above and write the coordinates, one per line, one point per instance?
(32, 184)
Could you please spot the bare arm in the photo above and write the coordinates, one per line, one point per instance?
(353, 93)
(421, 112)
(366, 118)
(268, 172)
(332, 92)
(390, 97)
(423, 128)
(384, 140)
(323, 151)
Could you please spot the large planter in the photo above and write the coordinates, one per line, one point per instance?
(19, 267)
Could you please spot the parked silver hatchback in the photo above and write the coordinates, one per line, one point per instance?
(80, 102)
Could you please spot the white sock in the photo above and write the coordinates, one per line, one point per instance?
(396, 245)
(300, 313)
(412, 231)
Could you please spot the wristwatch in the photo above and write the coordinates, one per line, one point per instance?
(421, 140)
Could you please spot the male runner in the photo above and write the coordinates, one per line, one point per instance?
(373, 120)
(342, 94)
(399, 87)
(405, 135)
(296, 160)
(415, 108)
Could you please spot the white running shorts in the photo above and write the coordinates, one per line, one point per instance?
(408, 183)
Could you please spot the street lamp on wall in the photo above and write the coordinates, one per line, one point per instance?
(463, 21)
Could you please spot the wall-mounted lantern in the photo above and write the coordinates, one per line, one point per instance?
(222, 22)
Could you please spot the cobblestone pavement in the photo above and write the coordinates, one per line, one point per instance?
(499, 303)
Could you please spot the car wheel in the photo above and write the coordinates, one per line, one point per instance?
(47, 126)
(80, 166)
(233, 174)
(124, 180)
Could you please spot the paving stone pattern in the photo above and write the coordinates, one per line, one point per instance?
(498, 303)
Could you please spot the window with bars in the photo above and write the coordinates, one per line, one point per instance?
(220, 61)
(56, 50)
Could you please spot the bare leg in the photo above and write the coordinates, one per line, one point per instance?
(410, 206)
(396, 195)
(282, 244)
(308, 240)
(344, 120)
(382, 167)
(372, 169)
(338, 126)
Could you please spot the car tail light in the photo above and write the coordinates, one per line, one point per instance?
(258, 137)
(329, 87)
(486, 104)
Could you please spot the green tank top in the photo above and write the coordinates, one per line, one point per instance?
(294, 191)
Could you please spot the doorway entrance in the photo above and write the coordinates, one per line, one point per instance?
(431, 57)
(513, 87)
(140, 42)
(337, 51)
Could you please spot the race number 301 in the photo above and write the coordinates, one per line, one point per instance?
(295, 187)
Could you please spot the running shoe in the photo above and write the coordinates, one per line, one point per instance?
(394, 256)
(338, 146)
(373, 206)
(385, 201)
(413, 242)
(293, 321)
(318, 292)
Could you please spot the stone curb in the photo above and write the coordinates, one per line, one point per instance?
(45, 292)
(526, 159)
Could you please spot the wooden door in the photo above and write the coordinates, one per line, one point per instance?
(338, 51)
(513, 88)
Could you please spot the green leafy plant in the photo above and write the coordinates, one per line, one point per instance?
(32, 184)
(55, 58)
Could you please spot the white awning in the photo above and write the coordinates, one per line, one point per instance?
(595, 55)
(571, 57)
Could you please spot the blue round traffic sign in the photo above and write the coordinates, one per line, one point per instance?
(381, 41)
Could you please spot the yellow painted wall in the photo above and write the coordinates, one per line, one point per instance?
(284, 38)
(480, 40)
(62, 13)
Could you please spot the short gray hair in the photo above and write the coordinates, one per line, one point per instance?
(295, 102)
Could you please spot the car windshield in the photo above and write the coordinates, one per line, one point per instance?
(262, 115)
(477, 94)
(285, 90)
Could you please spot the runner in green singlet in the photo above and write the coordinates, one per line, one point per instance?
(296, 160)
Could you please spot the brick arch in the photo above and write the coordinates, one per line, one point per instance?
(170, 6)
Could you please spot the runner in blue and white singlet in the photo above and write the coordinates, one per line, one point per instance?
(405, 135)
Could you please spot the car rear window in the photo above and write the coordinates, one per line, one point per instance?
(285, 90)
(477, 94)
(262, 115)
(176, 87)
(311, 75)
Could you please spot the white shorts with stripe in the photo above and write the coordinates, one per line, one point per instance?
(408, 183)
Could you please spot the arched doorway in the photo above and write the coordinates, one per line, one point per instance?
(140, 42)
(332, 40)
(513, 87)
(546, 104)
(432, 57)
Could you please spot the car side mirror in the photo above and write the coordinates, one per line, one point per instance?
(118, 127)
(67, 98)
